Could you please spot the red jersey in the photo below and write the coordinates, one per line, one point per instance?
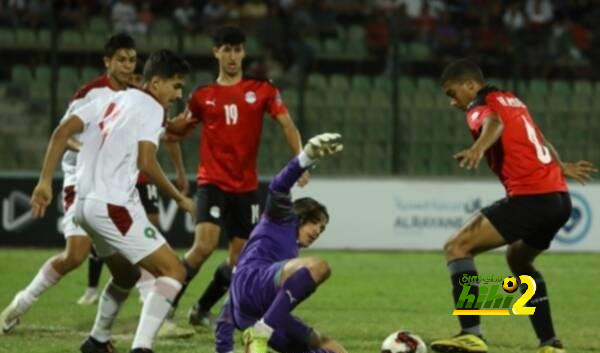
(519, 158)
(232, 118)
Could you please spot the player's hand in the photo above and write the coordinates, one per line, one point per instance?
(186, 204)
(304, 179)
(581, 171)
(469, 158)
(182, 183)
(40, 199)
(323, 145)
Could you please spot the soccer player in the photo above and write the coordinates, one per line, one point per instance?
(149, 198)
(120, 60)
(231, 113)
(270, 280)
(121, 139)
(534, 178)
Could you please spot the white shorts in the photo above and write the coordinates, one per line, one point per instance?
(123, 229)
(68, 225)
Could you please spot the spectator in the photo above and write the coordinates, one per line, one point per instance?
(378, 36)
(539, 12)
(146, 15)
(186, 16)
(125, 18)
(214, 12)
(253, 9)
(513, 18)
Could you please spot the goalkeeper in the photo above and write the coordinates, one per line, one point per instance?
(270, 280)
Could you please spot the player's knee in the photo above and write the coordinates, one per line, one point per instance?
(175, 271)
(73, 259)
(319, 270)
(517, 264)
(454, 248)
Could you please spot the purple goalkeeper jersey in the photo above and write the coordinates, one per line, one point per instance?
(273, 241)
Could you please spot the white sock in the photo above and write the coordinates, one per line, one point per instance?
(262, 329)
(145, 284)
(109, 306)
(46, 278)
(155, 309)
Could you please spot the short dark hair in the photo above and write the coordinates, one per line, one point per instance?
(165, 64)
(228, 35)
(309, 210)
(116, 42)
(462, 70)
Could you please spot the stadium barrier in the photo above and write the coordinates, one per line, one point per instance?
(378, 214)
(390, 214)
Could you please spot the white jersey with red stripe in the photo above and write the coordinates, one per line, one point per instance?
(97, 88)
(107, 167)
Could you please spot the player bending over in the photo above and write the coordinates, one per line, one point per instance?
(537, 204)
(122, 140)
(270, 280)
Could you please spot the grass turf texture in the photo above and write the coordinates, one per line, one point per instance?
(369, 295)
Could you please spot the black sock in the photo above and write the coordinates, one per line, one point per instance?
(216, 288)
(541, 319)
(458, 269)
(190, 273)
(94, 269)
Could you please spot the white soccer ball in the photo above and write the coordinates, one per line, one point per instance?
(403, 342)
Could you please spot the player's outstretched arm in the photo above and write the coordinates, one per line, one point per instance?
(42, 194)
(490, 133)
(279, 203)
(294, 141)
(174, 150)
(148, 164)
(581, 171)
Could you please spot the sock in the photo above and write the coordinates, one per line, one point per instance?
(145, 284)
(541, 319)
(94, 269)
(155, 310)
(458, 268)
(190, 273)
(296, 288)
(216, 288)
(46, 278)
(224, 332)
(109, 306)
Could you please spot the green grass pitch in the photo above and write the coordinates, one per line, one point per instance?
(369, 295)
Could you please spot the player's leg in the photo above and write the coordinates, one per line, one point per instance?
(549, 215)
(149, 197)
(124, 276)
(164, 265)
(210, 205)
(283, 340)
(477, 235)
(297, 279)
(95, 264)
(242, 215)
(76, 250)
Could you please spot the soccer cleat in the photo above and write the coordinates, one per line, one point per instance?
(91, 345)
(199, 318)
(89, 297)
(253, 342)
(10, 315)
(169, 329)
(555, 347)
(461, 343)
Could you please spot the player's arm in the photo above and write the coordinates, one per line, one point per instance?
(293, 139)
(73, 144)
(148, 164)
(279, 202)
(174, 151)
(491, 131)
(180, 127)
(42, 194)
(580, 171)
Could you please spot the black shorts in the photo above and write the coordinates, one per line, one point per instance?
(149, 197)
(535, 219)
(236, 213)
